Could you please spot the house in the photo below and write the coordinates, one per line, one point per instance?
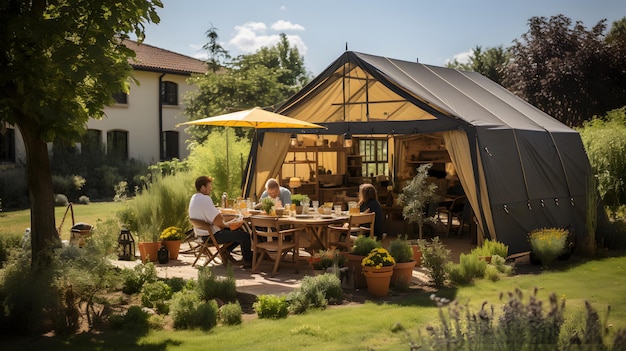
(141, 124)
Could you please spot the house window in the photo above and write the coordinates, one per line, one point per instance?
(92, 141)
(121, 98)
(7, 146)
(117, 143)
(170, 147)
(374, 152)
(169, 93)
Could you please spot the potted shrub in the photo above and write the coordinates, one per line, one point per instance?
(267, 204)
(416, 195)
(546, 244)
(378, 269)
(402, 253)
(171, 238)
(361, 247)
(299, 200)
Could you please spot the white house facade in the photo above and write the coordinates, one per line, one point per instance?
(142, 124)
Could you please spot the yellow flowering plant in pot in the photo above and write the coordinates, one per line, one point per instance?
(378, 258)
(378, 269)
(171, 238)
(547, 244)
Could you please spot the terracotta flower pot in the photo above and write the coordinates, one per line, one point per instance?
(378, 280)
(402, 274)
(173, 246)
(148, 251)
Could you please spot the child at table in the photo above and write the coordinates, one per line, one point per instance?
(368, 202)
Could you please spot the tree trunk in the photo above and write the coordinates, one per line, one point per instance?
(44, 236)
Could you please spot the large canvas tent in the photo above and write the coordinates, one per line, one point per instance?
(520, 168)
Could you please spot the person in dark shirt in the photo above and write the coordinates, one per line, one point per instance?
(368, 202)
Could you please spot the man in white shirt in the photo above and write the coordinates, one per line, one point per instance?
(201, 207)
(273, 190)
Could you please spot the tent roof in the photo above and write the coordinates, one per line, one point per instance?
(359, 87)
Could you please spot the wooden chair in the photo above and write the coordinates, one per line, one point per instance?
(209, 246)
(341, 236)
(454, 210)
(268, 236)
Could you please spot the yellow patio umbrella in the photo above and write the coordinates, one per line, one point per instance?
(256, 118)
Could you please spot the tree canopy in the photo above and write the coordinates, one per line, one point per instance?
(567, 71)
(61, 61)
(264, 78)
(491, 62)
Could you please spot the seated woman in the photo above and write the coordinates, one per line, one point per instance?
(368, 202)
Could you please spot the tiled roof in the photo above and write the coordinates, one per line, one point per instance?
(151, 58)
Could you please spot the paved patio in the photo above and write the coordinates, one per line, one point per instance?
(285, 280)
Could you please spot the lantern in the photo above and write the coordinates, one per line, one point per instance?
(125, 246)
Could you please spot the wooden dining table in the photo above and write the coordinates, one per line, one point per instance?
(315, 226)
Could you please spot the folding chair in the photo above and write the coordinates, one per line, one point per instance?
(341, 236)
(209, 243)
(277, 240)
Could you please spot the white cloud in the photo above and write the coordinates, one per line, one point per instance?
(463, 57)
(283, 8)
(251, 36)
(282, 26)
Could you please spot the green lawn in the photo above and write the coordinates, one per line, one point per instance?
(353, 327)
(16, 222)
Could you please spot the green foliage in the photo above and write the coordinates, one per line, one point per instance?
(491, 63)
(434, 259)
(135, 278)
(416, 195)
(320, 290)
(223, 162)
(8, 242)
(299, 199)
(155, 295)
(604, 139)
(363, 245)
(324, 259)
(401, 250)
(175, 283)
(271, 306)
(60, 200)
(267, 204)
(189, 311)
(230, 313)
(135, 319)
(468, 268)
(554, 54)
(520, 326)
(548, 243)
(162, 203)
(212, 286)
(490, 248)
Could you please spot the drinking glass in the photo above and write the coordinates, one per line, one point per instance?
(338, 210)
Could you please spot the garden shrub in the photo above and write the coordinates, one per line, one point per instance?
(230, 313)
(547, 244)
(469, 267)
(316, 291)
(176, 283)
(490, 248)
(8, 242)
(271, 306)
(135, 319)
(212, 286)
(84, 200)
(60, 200)
(299, 301)
(499, 263)
(401, 250)
(434, 259)
(492, 273)
(155, 295)
(188, 311)
(363, 245)
(135, 278)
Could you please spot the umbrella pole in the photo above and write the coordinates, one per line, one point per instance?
(227, 165)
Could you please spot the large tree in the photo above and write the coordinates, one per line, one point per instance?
(60, 63)
(567, 71)
(491, 62)
(264, 78)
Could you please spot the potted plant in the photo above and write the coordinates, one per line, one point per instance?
(324, 259)
(416, 195)
(300, 200)
(171, 238)
(402, 253)
(362, 246)
(267, 204)
(378, 269)
(546, 244)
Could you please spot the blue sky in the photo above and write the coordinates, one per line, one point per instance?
(433, 31)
